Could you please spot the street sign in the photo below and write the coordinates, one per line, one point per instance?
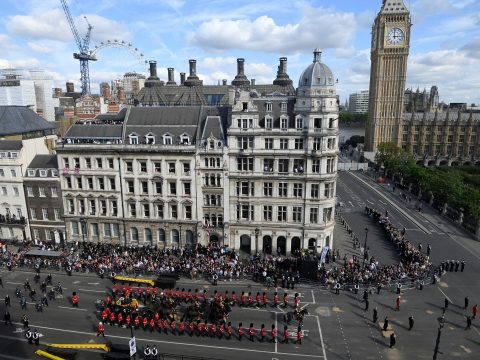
(133, 346)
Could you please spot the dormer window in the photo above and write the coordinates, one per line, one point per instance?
(133, 139)
(299, 123)
(55, 173)
(283, 123)
(268, 123)
(269, 107)
(150, 138)
(283, 106)
(184, 139)
(167, 140)
(43, 173)
(31, 173)
(212, 144)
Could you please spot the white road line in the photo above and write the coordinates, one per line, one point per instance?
(95, 291)
(370, 202)
(93, 283)
(451, 302)
(71, 308)
(178, 343)
(313, 296)
(382, 202)
(321, 337)
(14, 283)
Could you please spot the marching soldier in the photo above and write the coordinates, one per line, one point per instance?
(172, 326)
(206, 328)
(262, 333)
(145, 323)
(75, 300)
(250, 331)
(182, 327)
(190, 296)
(191, 327)
(136, 322)
(234, 298)
(240, 331)
(229, 330)
(275, 299)
(100, 329)
(152, 325)
(112, 318)
(195, 297)
(213, 330)
(128, 321)
(274, 334)
(120, 319)
(160, 325)
(299, 335)
(285, 300)
(166, 325)
(250, 299)
(221, 330)
(199, 328)
(242, 299)
(285, 334)
(258, 299)
(204, 296)
(295, 301)
(264, 298)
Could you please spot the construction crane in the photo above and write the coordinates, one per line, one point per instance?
(84, 55)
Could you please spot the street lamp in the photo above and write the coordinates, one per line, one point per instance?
(365, 246)
(441, 322)
(257, 231)
(83, 222)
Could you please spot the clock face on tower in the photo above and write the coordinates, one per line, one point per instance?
(395, 36)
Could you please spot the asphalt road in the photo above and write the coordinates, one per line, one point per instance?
(337, 327)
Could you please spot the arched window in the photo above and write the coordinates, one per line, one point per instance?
(167, 140)
(189, 238)
(150, 138)
(133, 139)
(148, 236)
(175, 236)
(134, 234)
(161, 235)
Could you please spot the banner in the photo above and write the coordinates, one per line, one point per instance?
(324, 254)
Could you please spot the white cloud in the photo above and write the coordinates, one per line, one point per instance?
(19, 63)
(53, 25)
(318, 28)
(39, 47)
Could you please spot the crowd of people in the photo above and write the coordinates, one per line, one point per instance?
(414, 263)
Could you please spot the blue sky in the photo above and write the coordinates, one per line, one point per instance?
(445, 46)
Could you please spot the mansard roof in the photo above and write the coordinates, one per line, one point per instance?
(16, 120)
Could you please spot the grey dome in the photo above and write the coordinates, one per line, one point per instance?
(316, 74)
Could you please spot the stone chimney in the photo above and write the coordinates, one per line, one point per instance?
(224, 82)
(240, 78)
(106, 92)
(70, 87)
(121, 94)
(153, 79)
(282, 77)
(58, 92)
(171, 80)
(252, 82)
(193, 79)
(182, 78)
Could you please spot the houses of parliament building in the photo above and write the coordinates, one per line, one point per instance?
(434, 137)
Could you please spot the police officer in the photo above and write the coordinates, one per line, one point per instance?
(25, 321)
(7, 300)
(446, 303)
(147, 352)
(154, 352)
(36, 337)
(410, 322)
(463, 266)
(392, 340)
(28, 335)
(399, 288)
(367, 303)
(215, 279)
(337, 288)
(375, 315)
(356, 288)
(385, 323)
(457, 264)
(7, 318)
(23, 303)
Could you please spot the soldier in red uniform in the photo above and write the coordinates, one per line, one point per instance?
(108, 300)
(75, 299)
(124, 288)
(190, 296)
(165, 326)
(136, 322)
(178, 295)
(262, 333)
(242, 299)
(258, 299)
(264, 299)
(171, 294)
(182, 327)
(104, 315)
(120, 319)
(100, 329)
(115, 289)
(204, 295)
(285, 300)
(191, 326)
(285, 334)
(250, 331)
(112, 318)
(225, 297)
(128, 320)
(240, 331)
(160, 325)
(199, 328)
(229, 330)
(184, 296)
(130, 290)
(145, 323)
(172, 326)
(299, 335)
(215, 295)
(250, 299)
(207, 329)
(195, 297)
(274, 334)
(221, 330)
(152, 325)
(234, 298)
(149, 291)
(156, 316)
(275, 299)
(139, 292)
(214, 330)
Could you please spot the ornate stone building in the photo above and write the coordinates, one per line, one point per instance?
(249, 166)
(389, 54)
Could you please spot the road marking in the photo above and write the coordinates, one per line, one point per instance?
(93, 283)
(71, 308)
(321, 337)
(451, 302)
(370, 202)
(313, 296)
(76, 282)
(95, 291)
(382, 202)
(14, 283)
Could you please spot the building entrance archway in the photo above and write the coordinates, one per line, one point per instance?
(267, 245)
(214, 238)
(282, 245)
(295, 249)
(245, 244)
(312, 244)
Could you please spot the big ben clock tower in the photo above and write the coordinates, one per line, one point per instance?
(389, 54)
